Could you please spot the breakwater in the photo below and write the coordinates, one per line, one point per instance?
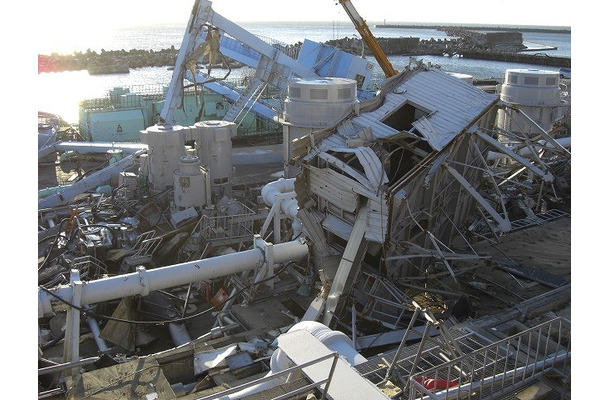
(506, 46)
(493, 46)
(553, 29)
(114, 61)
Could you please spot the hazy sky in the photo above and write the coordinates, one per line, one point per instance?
(86, 13)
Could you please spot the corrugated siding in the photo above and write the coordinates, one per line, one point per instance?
(348, 170)
(333, 187)
(376, 219)
(453, 104)
(373, 169)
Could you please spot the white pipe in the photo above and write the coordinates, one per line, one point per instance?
(334, 340)
(99, 147)
(98, 178)
(288, 204)
(272, 189)
(95, 331)
(179, 334)
(143, 282)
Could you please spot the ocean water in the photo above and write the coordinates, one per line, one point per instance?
(60, 92)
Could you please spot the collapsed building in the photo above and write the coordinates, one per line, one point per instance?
(396, 188)
(344, 278)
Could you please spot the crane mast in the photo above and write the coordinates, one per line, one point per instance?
(368, 38)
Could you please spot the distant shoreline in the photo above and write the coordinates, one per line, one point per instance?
(480, 28)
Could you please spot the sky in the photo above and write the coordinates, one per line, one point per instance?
(121, 12)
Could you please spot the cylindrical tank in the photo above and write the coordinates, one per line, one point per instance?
(314, 104)
(536, 93)
(215, 149)
(165, 147)
(190, 183)
(318, 103)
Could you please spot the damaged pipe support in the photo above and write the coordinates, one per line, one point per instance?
(143, 281)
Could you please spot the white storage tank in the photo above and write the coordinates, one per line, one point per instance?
(191, 184)
(165, 147)
(214, 147)
(536, 93)
(314, 104)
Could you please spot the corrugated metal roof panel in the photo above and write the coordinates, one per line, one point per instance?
(348, 170)
(376, 225)
(373, 169)
(453, 104)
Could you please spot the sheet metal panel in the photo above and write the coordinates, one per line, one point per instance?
(376, 224)
(453, 104)
(337, 226)
(348, 170)
(373, 169)
(376, 219)
(334, 187)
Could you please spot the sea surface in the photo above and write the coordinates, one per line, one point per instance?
(60, 92)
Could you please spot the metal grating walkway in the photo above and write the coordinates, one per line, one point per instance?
(484, 370)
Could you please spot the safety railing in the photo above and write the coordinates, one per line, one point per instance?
(501, 367)
(235, 225)
(300, 391)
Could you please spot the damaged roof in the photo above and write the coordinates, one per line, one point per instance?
(432, 104)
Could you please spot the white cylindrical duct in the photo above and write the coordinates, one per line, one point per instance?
(190, 183)
(179, 334)
(334, 340)
(215, 150)
(289, 206)
(143, 282)
(165, 147)
(536, 93)
(67, 193)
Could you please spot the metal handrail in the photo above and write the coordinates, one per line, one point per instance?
(304, 389)
(502, 365)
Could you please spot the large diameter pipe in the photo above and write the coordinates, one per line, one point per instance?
(288, 206)
(143, 282)
(68, 193)
(333, 340)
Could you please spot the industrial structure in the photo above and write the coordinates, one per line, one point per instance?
(164, 276)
